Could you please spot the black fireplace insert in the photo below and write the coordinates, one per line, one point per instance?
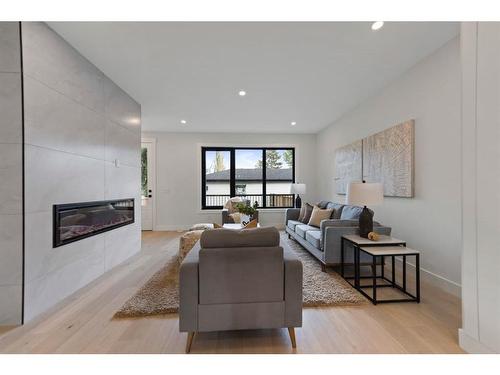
(75, 221)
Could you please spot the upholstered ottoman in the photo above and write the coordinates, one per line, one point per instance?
(201, 226)
(186, 243)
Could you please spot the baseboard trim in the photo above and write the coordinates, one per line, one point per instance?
(471, 345)
(438, 280)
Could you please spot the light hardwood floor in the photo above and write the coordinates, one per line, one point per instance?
(82, 323)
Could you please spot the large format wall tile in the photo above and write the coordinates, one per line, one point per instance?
(121, 244)
(10, 107)
(11, 250)
(55, 177)
(51, 60)
(41, 257)
(71, 129)
(121, 108)
(53, 120)
(9, 47)
(122, 182)
(12, 304)
(45, 292)
(121, 144)
(11, 178)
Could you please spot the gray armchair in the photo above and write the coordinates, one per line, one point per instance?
(215, 297)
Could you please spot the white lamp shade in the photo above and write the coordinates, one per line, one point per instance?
(298, 189)
(364, 194)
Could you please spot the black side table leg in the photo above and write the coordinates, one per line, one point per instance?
(393, 271)
(404, 273)
(417, 275)
(357, 270)
(382, 264)
(374, 279)
(342, 257)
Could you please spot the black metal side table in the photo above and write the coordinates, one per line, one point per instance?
(392, 252)
(385, 246)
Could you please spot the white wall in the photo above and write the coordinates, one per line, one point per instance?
(178, 169)
(480, 331)
(77, 122)
(431, 221)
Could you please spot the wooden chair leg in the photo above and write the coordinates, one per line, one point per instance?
(291, 332)
(189, 341)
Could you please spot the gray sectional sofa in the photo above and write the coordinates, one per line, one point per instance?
(324, 242)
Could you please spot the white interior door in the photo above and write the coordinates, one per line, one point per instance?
(148, 168)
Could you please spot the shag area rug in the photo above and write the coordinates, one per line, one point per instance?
(160, 294)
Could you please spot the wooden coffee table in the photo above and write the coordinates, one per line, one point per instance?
(236, 226)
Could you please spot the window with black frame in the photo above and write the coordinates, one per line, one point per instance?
(263, 175)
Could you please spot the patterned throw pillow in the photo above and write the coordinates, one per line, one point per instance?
(308, 212)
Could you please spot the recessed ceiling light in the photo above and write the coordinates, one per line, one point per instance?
(377, 25)
(293, 123)
(242, 93)
(183, 122)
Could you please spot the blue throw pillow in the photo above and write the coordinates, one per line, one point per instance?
(351, 212)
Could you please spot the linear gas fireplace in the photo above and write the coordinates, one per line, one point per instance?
(75, 221)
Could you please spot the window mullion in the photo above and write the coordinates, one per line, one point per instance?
(264, 193)
(232, 173)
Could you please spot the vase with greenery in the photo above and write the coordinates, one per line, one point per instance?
(247, 210)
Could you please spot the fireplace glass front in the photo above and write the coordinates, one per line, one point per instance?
(75, 221)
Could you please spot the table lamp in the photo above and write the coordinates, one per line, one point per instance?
(365, 194)
(298, 189)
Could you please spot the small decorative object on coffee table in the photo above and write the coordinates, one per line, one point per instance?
(365, 194)
(386, 246)
(237, 226)
(246, 211)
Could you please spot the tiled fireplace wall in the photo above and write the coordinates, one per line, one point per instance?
(11, 257)
(82, 137)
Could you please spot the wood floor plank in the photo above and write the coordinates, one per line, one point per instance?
(83, 322)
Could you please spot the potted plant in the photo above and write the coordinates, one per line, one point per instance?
(246, 211)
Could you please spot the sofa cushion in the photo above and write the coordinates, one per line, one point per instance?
(351, 212)
(292, 223)
(318, 214)
(308, 212)
(314, 238)
(337, 209)
(323, 204)
(302, 213)
(303, 228)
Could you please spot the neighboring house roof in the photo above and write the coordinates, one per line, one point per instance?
(283, 174)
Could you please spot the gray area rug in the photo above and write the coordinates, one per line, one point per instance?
(160, 294)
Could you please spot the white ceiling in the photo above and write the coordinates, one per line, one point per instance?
(311, 73)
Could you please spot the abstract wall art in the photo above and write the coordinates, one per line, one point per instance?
(348, 160)
(386, 157)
